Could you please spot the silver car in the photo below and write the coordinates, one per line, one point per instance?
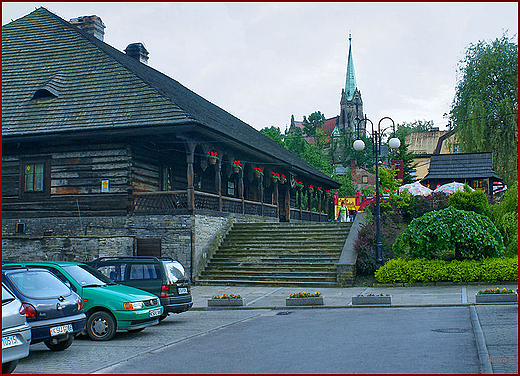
(16, 333)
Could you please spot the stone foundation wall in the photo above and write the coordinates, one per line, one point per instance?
(189, 239)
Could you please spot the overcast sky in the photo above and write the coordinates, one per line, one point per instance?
(264, 62)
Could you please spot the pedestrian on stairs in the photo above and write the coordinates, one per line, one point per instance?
(343, 212)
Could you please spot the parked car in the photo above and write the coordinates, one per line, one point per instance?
(162, 276)
(16, 333)
(53, 310)
(109, 306)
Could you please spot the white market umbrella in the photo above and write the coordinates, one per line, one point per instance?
(450, 188)
(416, 189)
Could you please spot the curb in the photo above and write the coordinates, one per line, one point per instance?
(483, 354)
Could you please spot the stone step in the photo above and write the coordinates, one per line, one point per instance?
(275, 260)
(287, 278)
(247, 250)
(251, 282)
(283, 254)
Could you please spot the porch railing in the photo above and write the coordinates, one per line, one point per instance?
(176, 202)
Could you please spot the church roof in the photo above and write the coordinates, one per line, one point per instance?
(350, 84)
(87, 85)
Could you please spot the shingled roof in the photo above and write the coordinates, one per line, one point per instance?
(461, 166)
(84, 84)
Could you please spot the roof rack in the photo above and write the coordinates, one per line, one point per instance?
(155, 258)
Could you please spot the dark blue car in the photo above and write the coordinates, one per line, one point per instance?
(53, 311)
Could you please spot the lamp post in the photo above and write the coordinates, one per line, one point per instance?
(394, 143)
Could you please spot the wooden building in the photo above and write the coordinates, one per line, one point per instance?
(104, 155)
(474, 169)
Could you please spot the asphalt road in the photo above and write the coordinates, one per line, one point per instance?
(326, 340)
(401, 340)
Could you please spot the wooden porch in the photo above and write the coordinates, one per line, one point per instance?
(177, 203)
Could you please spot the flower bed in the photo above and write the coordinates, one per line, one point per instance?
(496, 295)
(364, 299)
(226, 300)
(304, 299)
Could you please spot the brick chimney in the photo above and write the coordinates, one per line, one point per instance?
(138, 52)
(91, 24)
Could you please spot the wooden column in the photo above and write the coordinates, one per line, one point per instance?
(218, 182)
(319, 203)
(300, 202)
(190, 177)
(288, 201)
(262, 193)
(309, 204)
(275, 192)
(241, 186)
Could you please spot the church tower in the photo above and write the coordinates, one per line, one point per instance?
(351, 104)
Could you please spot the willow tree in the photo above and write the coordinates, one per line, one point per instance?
(485, 107)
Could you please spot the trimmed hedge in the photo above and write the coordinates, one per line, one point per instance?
(423, 270)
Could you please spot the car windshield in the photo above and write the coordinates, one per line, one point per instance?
(87, 276)
(38, 284)
(175, 271)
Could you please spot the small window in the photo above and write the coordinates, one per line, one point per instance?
(364, 179)
(33, 177)
(231, 188)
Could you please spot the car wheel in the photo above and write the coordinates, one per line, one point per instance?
(101, 326)
(9, 366)
(55, 345)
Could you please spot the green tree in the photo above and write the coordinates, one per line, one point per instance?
(505, 217)
(476, 201)
(313, 123)
(274, 134)
(347, 188)
(450, 233)
(485, 108)
(295, 141)
(406, 128)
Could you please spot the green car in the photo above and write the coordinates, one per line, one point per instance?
(109, 306)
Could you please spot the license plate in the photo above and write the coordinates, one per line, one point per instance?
(63, 329)
(10, 341)
(183, 290)
(155, 312)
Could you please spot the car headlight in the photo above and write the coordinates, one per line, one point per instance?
(133, 305)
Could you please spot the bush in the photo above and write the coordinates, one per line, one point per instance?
(450, 233)
(423, 270)
(475, 201)
(505, 218)
(365, 246)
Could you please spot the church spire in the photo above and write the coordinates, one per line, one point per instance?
(350, 85)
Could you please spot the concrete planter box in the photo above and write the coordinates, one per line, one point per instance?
(226, 302)
(309, 301)
(365, 300)
(496, 298)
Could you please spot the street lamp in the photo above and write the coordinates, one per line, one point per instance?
(359, 145)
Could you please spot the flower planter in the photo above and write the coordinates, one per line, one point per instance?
(236, 170)
(226, 302)
(307, 301)
(366, 300)
(496, 298)
(212, 160)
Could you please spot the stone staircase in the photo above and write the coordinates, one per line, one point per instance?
(282, 254)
